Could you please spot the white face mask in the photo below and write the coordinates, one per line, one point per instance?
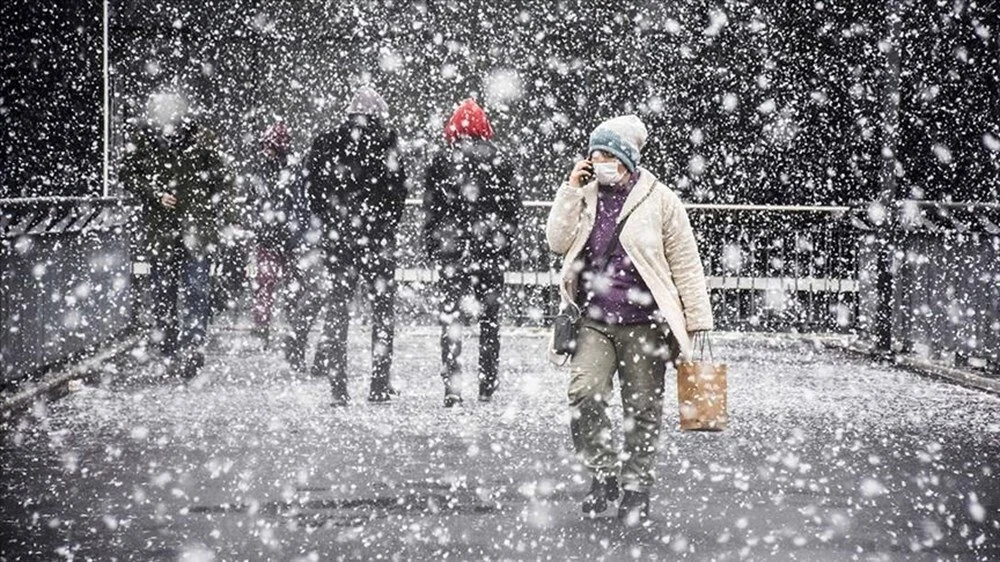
(607, 173)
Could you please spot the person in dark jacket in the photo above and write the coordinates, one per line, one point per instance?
(276, 221)
(356, 190)
(472, 208)
(174, 168)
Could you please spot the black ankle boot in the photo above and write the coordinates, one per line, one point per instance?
(487, 389)
(452, 397)
(340, 396)
(602, 490)
(295, 354)
(634, 509)
(379, 393)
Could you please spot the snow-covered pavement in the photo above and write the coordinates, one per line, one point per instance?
(828, 458)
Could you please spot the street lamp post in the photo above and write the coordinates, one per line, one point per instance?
(888, 229)
(106, 108)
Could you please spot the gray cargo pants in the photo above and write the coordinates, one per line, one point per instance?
(639, 354)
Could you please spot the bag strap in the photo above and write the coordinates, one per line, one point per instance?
(701, 340)
(613, 243)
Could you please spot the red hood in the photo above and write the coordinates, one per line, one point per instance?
(469, 120)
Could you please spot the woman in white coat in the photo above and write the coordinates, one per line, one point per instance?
(641, 296)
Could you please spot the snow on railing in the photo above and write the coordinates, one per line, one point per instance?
(59, 215)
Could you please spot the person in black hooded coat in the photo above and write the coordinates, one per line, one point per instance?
(356, 190)
(472, 207)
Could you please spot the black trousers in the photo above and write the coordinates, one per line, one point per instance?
(334, 293)
(467, 293)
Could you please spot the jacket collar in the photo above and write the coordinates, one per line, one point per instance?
(639, 192)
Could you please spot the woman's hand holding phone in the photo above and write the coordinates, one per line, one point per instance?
(582, 173)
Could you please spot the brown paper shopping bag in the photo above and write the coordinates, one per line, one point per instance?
(701, 391)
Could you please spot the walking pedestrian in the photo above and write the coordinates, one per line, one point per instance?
(472, 208)
(175, 170)
(276, 222)
(356, 190)
(631, 267)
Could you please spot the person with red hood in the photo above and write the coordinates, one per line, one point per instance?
(472, 206)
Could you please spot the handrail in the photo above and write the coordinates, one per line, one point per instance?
(923, 203)
(59, 199)
(537, 203)
(61, 215)
(715, 207)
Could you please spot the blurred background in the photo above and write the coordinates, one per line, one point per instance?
(747, 102)
(840, 160)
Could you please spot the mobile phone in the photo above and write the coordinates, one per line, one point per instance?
(588, 173)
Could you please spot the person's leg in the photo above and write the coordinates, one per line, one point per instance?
(310, 286)
(489, 289)
(268, 273)
(382, 294)
(194, 316)
(164, 278)
(591, 371)
(451, 287)
(644, 354)
(197, 304)
(230, 276)
(331, 351)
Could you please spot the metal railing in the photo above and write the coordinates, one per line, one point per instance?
(943, 283)
(66, 278)
(28, 216)
(769, 268)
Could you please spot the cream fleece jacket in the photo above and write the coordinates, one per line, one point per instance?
(657, 238)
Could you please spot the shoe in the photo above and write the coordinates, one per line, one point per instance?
(194, 364)
(486, 390)
(263, 333)
(634, 508)
(340, 400)
(451, 396)
(602, 490)
(379, 396)
(186, 365)
(295, 354)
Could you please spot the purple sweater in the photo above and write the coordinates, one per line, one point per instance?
(616, 294)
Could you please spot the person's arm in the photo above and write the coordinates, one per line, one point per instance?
(227, 203)
(681, 251)
(564, 218)
(396, 181)
(511, 207)
(563, 224)
(134, 174)
(319, 169)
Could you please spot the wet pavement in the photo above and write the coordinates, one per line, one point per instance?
(828, 458)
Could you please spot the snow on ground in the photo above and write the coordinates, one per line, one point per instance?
(828, 458)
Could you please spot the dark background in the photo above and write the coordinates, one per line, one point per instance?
(747, 102)
(50, 98)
